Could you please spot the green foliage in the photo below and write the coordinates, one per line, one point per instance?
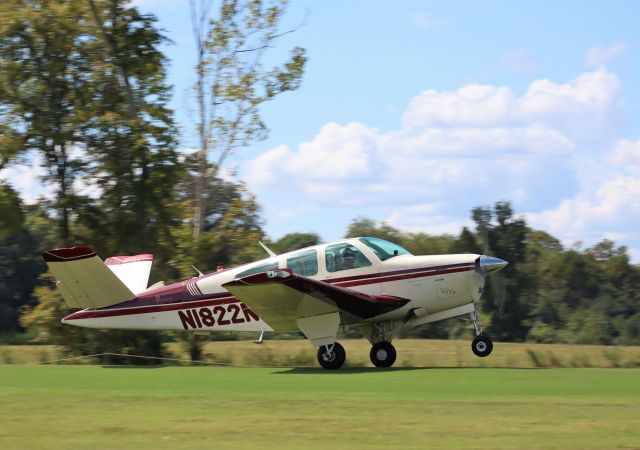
(19, 261)
(294, 241)
(45, 79)
(11, 217)
(91, 98)
(363, 227)
(543, 333)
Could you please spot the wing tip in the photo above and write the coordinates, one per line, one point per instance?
(65, 254)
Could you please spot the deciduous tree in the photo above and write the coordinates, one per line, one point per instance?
(233, 82)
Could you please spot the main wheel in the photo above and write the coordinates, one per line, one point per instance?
(383, 354)
(482, 346)
(333, 360)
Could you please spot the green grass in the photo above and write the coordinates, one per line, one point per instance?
(91, 407)
(411, 353)
(425, 353)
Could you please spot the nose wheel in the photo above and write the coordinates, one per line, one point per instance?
(482, 346)
(331, 357)
(383, 354)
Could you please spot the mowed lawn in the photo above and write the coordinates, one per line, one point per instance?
(93, 407)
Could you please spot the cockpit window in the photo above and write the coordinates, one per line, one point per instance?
(344, 257)
(258, 269)
(304, 263)
(383, 249)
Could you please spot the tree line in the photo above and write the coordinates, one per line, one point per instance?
(83, 90)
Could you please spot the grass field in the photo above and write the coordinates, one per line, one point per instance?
(93, 407)
(411, 353)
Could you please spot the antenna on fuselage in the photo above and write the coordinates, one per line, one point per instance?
(267, 249)
(200, 274)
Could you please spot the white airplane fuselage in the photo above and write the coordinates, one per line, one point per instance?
(437, 287)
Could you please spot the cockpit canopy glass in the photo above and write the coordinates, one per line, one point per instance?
(344, 257)
(383, 249)
(304, 263)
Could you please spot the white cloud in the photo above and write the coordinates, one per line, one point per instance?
(267, 167)
(565, 106)
(599, 55)
(426, 218)
(474, 146)
(607, 203)
(519, 61)
(424, 22)
(626, 154)
(338, 153)
(479, 135)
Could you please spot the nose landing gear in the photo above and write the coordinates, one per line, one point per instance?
(482, 345)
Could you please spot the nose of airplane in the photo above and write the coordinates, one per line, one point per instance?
(487, 264)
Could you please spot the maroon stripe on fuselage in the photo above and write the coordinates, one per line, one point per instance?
(166, 298)
(100, 313)
(386, 277)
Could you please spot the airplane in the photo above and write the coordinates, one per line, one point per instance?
(366, 282)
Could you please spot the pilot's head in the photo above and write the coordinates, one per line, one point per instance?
(349, 257)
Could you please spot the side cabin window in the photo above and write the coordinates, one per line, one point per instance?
(259, 268)
(304, 263)
(344, 257)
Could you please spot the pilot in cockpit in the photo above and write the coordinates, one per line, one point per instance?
(348, 259)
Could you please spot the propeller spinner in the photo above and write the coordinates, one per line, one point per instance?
(487, 264)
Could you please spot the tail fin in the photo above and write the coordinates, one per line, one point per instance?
(84, 280)
(133, 271)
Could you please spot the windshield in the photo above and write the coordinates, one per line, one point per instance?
(383, 249)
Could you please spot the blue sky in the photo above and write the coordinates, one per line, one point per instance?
(415, 112)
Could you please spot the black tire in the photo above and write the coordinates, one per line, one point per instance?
(383, 354)
(482, 346)
(332, 361)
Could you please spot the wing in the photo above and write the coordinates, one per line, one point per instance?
(280, 298)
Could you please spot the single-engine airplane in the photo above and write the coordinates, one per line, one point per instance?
(366, 282)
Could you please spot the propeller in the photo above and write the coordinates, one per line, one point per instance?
(488, 264)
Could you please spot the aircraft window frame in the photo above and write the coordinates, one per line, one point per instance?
(380, 248)
(309, 259)
(263, 267)
(331, 257)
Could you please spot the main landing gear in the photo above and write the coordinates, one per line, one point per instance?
(482, 345)
(331, 357)
(383, 354)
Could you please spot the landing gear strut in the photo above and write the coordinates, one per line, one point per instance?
(331, 357)
(383, 354)
(482, 345)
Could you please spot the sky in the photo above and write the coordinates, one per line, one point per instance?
(415, 112)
